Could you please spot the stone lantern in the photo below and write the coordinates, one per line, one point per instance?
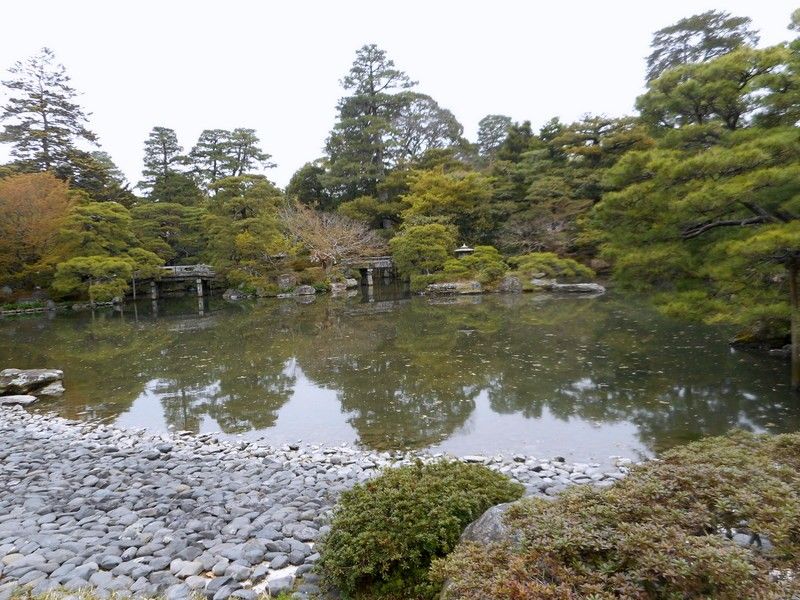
(464, 251)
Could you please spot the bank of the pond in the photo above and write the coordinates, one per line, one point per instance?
(90, 505)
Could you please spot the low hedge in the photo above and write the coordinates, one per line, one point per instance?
(662, 533)
(386, 532)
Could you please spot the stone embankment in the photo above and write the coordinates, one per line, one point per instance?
(127, 511)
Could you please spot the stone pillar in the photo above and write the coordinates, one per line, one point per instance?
(370, 281)
(153, 290)
(199, 288)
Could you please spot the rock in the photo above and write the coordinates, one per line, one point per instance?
(279, 562)
(22, 400)
(234, 295)
(189, 568)
(784, 352)
(52, 389)
(489, 527)
(351, 283)
(26, 381)
(304, 290)
(286, 281)
(109, 561)
(238, 572)
(510, 285)
(195, 582)
(179, 591)
(6, 291)
(280, 584)
(306, 534)
(454, 288)
(550, 285)
(475, 459)
(338, 288)
(253, 552)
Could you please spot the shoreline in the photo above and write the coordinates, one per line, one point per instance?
(131, 511)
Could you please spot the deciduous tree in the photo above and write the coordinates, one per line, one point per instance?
(32, 209)
(328, 237)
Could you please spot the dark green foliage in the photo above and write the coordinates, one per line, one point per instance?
(386, 532)
(492, 132)
(306, 186)
(697, 39)
(485, 264)
(657, 535)
(41, 120)
(551, 266)
(163, 156)
(423, 249)
(357, 148)
(177, 188)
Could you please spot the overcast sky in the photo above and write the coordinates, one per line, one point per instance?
(276, 66)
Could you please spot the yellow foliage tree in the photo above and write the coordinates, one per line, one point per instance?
(32, 208)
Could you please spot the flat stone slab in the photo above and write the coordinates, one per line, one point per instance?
(21, 399)
(27, 381)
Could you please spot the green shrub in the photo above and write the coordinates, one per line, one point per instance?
(658, 534)
(418, 283)
(550, 265)
(385, 532)
(485, 264)
(311, 276)
(423, 248)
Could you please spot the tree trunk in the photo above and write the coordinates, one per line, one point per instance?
(793, 269)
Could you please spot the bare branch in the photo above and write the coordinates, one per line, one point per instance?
(329, 237)
(692, 231)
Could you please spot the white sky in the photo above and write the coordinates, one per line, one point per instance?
(275, 66)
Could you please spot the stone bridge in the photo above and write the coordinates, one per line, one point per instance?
(201, 275)
(370, 266)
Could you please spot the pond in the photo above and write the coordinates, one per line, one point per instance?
(584, 378)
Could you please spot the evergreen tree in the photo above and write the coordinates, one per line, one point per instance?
(41, 120)
(492, 132)
(697, 39)
(210, 155)
(162, 156)
(420, 125)
(306, 186)
(244, 154)
(98, 253)
(716, 230)
(357, 147)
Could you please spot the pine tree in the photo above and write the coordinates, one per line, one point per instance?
(162, 156)
(357, 147)
(42, 122)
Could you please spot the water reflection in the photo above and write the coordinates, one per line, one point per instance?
(574, 376)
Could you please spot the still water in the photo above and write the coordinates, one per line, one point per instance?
(584, 378)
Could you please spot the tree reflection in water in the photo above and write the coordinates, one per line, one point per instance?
(407, 373)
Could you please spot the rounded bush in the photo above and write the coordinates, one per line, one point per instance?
(386, 532)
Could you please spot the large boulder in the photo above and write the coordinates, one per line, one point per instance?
(454, 288)
(489, 527)
(338, 288)
(286, 281)
(351, 283)
(304, 290)
(509, 285)
(29, 381)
